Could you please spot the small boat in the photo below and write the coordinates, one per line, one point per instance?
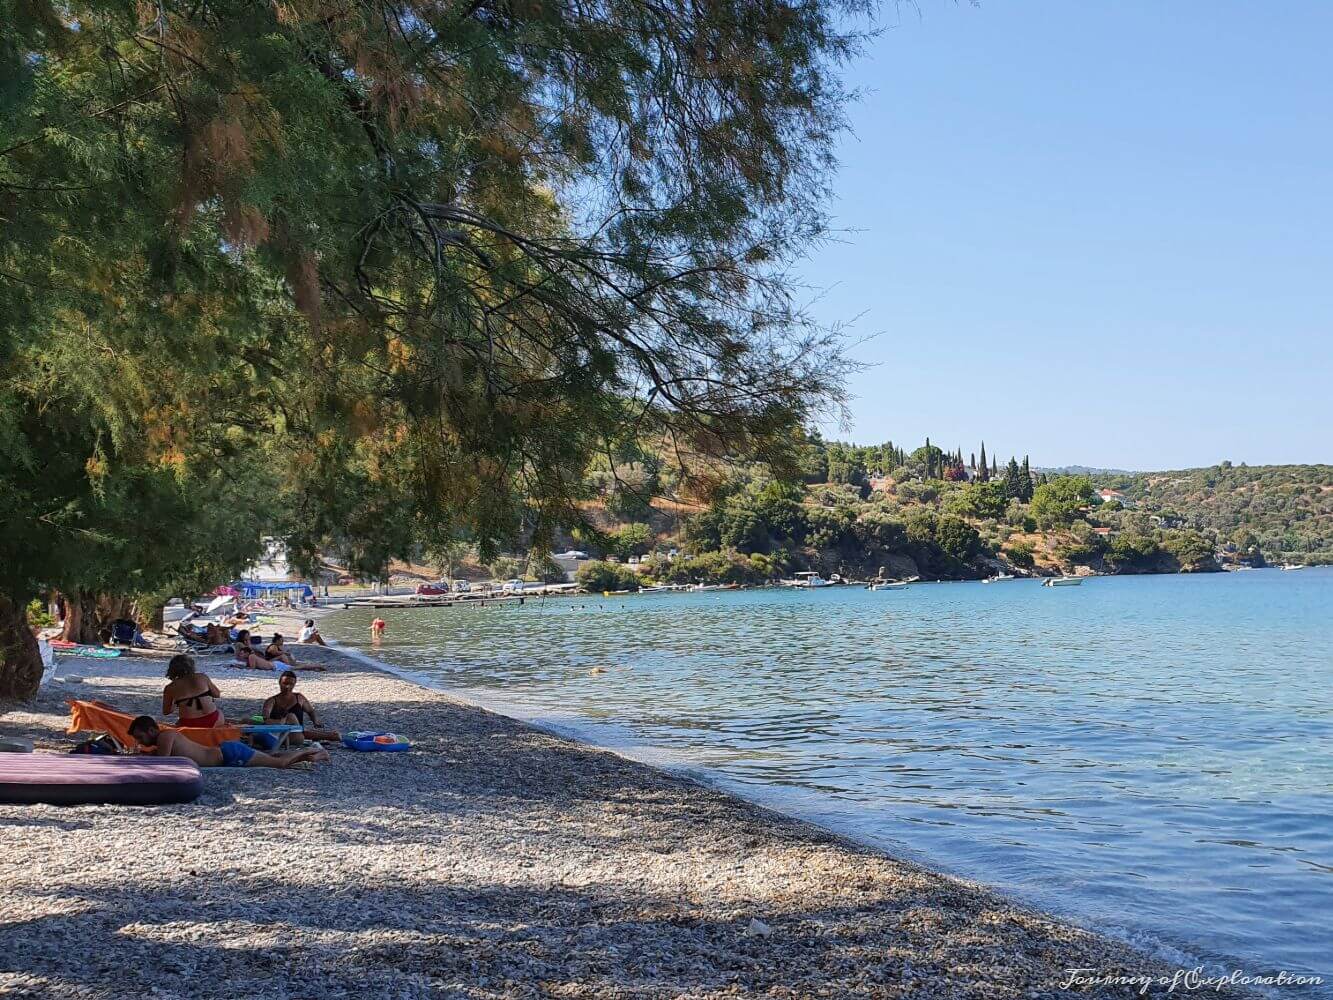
(999, 578)
(807, 579)
(1293, 565)
(1062, 581)
(889, 585)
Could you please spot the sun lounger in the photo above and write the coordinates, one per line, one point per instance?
(99, 717)
(70, 780)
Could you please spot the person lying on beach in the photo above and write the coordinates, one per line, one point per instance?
(276, 653)
(245, 655)
(191, 695)
(289, 708)
(311, 634)
(230, 753)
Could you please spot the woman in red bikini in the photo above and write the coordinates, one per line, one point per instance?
(191, 695)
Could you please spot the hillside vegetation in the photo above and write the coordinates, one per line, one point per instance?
(930, 513)
(877, 511)
(1284, 510)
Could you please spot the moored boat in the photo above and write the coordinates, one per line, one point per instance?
(1062, 581)
(807, 579)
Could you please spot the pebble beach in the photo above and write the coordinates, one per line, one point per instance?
(493, 860)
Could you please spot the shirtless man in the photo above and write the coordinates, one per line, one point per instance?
(232, 753)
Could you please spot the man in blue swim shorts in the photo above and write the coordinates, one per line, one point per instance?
(232, 753)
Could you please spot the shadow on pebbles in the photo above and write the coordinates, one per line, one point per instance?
(491, 861)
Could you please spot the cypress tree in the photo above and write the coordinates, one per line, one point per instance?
(1013, 481)
(983, 471)
(1026, 481)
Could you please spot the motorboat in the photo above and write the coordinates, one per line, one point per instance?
(999, 578)
(1293, 565)
(808, 579)
(1062, 581)
(889, 585)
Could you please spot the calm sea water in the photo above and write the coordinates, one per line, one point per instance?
(1150, 755)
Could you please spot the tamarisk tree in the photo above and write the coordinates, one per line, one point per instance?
(426, 257)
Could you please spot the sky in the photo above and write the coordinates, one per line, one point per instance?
(1098, 232)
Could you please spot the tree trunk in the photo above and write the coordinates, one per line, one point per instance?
(81, 619)
(21, 662)
(148, 615)
(110, 608)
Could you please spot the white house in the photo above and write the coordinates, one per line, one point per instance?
(272, 565)
(1108, 495)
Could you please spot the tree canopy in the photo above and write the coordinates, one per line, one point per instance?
(422, 261)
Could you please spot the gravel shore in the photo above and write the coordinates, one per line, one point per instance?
(493, 860)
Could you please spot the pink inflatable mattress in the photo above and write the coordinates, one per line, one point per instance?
(74, 780)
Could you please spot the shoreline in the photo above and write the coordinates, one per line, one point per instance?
(577, 871)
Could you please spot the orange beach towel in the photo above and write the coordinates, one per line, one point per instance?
(99, 717)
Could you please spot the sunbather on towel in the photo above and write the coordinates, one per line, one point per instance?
(277, 653)
(289, 708)
(231, 753)
(191, 694)
(245, 655)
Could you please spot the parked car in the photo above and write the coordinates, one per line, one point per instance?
(462, 587)
(512, 587)
(432, 589)
(572, 554)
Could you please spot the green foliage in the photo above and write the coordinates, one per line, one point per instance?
(597, 576)
(920, 527)
(348, 260)
(1059, 502)
(545, 569)
(985, 500)
(1189, 548)
(754, 519)
(1132, 551)
(724, 567)
(448, 555)
(956, 538)
(38, 615)
(631, 540)
(875, 529)
(1285, 511)
(1020, 553)
(829, 527)
(506, 567)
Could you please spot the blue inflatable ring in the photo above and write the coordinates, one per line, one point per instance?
(365, 742)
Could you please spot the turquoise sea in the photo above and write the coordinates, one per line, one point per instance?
(1150, 756)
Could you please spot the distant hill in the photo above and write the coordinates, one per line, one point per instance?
(1082, 470)
(1287, 510)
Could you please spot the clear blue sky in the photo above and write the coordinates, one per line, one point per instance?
(1096, 231)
